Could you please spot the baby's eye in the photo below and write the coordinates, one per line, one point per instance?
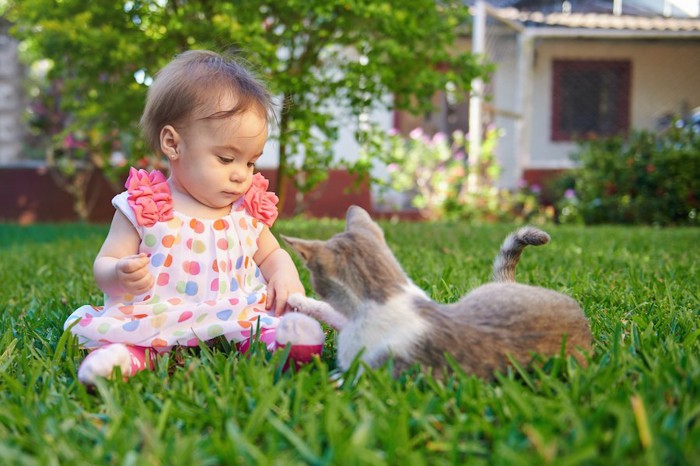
(251, 164)
(224, 160)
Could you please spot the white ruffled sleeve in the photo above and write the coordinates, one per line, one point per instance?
(120, 202)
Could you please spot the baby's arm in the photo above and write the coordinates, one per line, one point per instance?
(318, 310)
(279, 271)
(119, 268)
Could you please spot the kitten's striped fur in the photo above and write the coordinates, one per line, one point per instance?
(377, 309)
(512, 248)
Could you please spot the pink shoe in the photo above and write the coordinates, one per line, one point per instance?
(301, 354)
(303, 333)
(305, 336)
(101, 362)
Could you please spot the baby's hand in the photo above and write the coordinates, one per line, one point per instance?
(133, 274)
(278, 290)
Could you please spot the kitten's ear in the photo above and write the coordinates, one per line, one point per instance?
(358, 218)
(304, 247)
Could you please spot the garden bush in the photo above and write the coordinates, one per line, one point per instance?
(430, 173)
(646, 178)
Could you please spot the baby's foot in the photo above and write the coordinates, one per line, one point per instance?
(101, 362)
(303, 333)
(299, 329)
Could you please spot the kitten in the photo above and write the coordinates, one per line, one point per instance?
(375, 307)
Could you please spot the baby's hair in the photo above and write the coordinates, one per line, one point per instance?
(193, 83)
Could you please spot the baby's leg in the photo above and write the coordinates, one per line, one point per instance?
(102, 362)
(318, 310)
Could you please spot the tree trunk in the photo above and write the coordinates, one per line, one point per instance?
(282, 176)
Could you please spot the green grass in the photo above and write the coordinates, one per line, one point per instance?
(638, 401)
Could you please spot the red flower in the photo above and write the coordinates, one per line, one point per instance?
(149, 197)
(261, 203)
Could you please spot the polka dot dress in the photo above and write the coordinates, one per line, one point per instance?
(207, 286)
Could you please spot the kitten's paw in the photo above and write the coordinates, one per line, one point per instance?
(297, 301)
(101, 363)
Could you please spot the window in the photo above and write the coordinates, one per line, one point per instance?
(590, 98)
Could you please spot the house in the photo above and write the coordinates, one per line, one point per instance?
(571, 70)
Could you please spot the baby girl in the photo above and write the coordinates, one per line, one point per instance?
(191, 257)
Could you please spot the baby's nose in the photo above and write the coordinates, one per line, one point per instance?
(238, 174)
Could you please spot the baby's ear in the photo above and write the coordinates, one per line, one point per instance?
(304, 247)
(357, 218)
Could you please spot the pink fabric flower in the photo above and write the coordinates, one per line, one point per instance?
(149, 197)
(261, 203)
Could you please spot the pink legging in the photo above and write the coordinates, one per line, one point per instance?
(300, 354)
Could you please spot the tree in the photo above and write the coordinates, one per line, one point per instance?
(311, 53)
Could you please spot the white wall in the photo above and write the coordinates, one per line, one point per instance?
(505, 110)
(664, 78)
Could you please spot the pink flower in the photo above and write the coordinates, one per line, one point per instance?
(261, 203)
(71, 142)
(439, 138)
(149, 196)
(416, 133)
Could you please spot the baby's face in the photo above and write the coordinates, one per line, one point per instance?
(217, 156)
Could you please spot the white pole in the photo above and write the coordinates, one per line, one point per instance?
(524, 99)
(475, 100)
(11, 106)
(617, 7)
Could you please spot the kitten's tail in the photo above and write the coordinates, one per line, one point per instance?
(512, 247)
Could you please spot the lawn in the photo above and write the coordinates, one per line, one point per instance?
(637, 402)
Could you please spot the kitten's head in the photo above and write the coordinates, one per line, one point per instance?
(351, 267)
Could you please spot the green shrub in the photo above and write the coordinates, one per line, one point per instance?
(430, 173)
(647, 178)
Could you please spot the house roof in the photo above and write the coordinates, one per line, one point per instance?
(600, 21)
(648, 8)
